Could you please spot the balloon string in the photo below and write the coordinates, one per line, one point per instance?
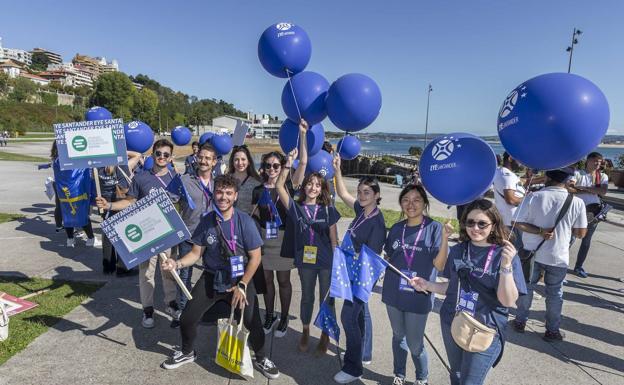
(513, 222)
(292, 90)
(341, 142)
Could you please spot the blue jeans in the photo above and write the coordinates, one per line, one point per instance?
(357, 324)
(585, 243)
(184, 273)
(468, 368)
(308, 283)
(367, 344)
(408, 327)
(553, 279)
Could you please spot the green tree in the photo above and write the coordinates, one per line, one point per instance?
(145, 106)
(4, 82)
(415, 151)
(23, 89)
(39, 61)
(115, 92)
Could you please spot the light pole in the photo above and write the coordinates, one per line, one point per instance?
(159, 125)
(427, 118)
(575, 34)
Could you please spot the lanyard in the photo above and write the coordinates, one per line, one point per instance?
(206, 191)
(160, 179)
(271, 205)
(361, 219)
(488, 261)
(313, 218)
(597, 178)
(230, 242)
(410, 258)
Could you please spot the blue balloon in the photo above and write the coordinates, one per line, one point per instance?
(310, 92)
(457, 168)
(323, 163)
(206, 137)
(181, 136)
(349, 147)
(353, 102)
(139, 136)
(98, 113)
(289, 134)
(222, 144)
(295, 164)
(284, 46)
(148, 163)
(553, 120)
(170, 167)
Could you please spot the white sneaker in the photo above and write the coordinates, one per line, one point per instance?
(344, 378)
(148, 318)
(342, 356)
(71, 242)
(94, 242)
(537, 295)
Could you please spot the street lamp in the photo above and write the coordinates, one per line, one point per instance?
(159, 125)
(427, 118)
(575, 34)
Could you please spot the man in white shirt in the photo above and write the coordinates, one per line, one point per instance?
(536, 220)
(508, 193)
(589, 185)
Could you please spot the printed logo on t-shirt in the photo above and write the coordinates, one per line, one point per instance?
(211, 239)
(396, 244)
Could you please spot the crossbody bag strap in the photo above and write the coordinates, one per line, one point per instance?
(562, 213)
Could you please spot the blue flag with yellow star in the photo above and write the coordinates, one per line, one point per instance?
(340, 283)
(367, 269)
(326, 321)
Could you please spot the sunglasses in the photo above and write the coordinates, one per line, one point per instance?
(276, 166)
(482, 225)
(162, 154)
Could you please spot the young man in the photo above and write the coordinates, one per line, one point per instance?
(144, 182)
(589, 184)
(536, 221)
(229, 244)
(190, 163)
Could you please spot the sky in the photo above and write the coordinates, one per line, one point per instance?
(472, 52)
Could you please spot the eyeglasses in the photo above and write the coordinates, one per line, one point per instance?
(276, 166)
(162, 154)
(482, 225)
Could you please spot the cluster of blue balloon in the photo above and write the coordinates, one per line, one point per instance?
(548, 122)
(352, 102)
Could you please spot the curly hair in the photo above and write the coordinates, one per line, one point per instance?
(226, 181)
(499, 231)
(324, 197)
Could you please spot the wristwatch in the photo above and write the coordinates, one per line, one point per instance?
(506, 270)
(243, 286)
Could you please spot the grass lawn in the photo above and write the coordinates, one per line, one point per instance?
(4, 217)
(53, 305)
(22, 158)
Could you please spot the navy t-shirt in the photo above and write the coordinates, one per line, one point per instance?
(108, 182)
(425, 252)
(478, 258)
(207, 234)
(370, 232)
(326, 216)
(147, 181)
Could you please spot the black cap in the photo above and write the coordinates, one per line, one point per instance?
(560, 175)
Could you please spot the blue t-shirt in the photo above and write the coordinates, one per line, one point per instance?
(146, 181)
(208, 235)
(370, 232)
(425, 252)
(478, 258)
(326, 216)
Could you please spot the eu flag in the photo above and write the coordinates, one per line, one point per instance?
(349, 251)
(176, 187)
(340, 283)
(326, 321)
(265, 199)
(73, 188)
(367, 269)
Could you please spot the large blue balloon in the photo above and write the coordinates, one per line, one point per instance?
(148, 163)
(310, 92)
(284, 46)
(323, 163)
(553, 120)
(222, 144)
(457, 168)
(139, 136)
(289, 134)
(206, 137)
(98, 113)
(349, 147)
(181, 136)
(353, 102)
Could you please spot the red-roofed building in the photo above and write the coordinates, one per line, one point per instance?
(35, 78)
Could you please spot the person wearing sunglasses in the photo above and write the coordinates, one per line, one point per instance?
(488, 266)
(418, 247)
(242, 167)
(143, 183)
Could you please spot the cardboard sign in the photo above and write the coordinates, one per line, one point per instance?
(240, 133)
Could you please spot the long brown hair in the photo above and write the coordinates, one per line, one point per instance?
(499, 232)
(323, 198)
(251, 169)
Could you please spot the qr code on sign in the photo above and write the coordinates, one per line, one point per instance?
(180, 234)
(120, 159)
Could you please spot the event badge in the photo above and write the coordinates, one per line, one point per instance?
(237, 266)
(271, 230)
(403, 284)
(309, 254)
(467, 301)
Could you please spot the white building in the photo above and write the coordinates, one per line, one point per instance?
(105, 66)
(74, 76)
(18, 55)
(227, 123)
(36, 79)
(11, 68)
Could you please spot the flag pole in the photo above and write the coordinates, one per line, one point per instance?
(96, 177)
(175, 275)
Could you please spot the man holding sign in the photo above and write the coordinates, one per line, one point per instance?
(142, 184)
(229, 244)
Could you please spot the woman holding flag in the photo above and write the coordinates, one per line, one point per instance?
(418, 247)
(368, 228)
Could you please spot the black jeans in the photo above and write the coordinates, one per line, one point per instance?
(203, 301)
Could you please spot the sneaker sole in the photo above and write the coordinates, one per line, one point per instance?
(267, 375)
(269, 330)
(279, 334)
(146, 326)
(175, 366)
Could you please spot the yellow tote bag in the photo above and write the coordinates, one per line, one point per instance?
(232, 350)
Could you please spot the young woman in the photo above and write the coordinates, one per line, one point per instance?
(368, 228)
(315, 238)
(417, 246)
(490, 265)
(243, 169)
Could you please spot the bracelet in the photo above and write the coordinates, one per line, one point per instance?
(506, 270)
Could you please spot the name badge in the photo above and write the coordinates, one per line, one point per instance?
(309, 254)
(237, 266)
(271, 230)
(467, 301)
(403, 284)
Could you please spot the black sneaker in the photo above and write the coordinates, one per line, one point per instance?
(178, 359)
(267, 368)
(519, 326)
(174, 311)
(269, 321)
(553, 336)
(282, 327)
